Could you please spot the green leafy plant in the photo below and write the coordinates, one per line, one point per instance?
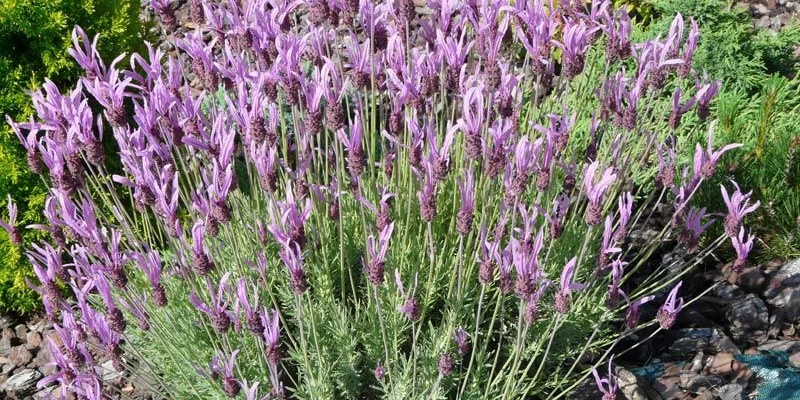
(757, 106)
(34, 38)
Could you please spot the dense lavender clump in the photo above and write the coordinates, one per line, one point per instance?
(289, 155)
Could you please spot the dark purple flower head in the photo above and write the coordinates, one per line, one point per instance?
(705, 94)
(410, 306)
(10, 225)
(595, 190)
(202, 262)
(462, 340)
(618, 30)
(608, 385)
(466, 211)
(377, 254)
(668, 312)
(380, 371)
(251, 310)
(705, 161)
(742, 247)
(356, 159)
(229, 383)
(217, 308)
(574, 45)
(679, 109)
(632, 316)
(609, 246)
(272, 332)
(566, 286)
(445, 364)
(689, 49)
(738, 204)
(615, 293)
(693, 228)
(292, 258)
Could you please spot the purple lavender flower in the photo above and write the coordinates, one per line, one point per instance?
(705, 162)
(356, 159)
(615, 293)
(410, 306)
(689, 49)
(742, 247)
(531, 314)
(202, 263)
(574, 46)
(465, 213)
(380, 371)
(445, 365)
(618, 30)
(693, 228)
(679, 109)
(229, 384)
(114, 316)
(738, 206)
(608, 246)
(10, 226)
(217, 308)
(166, 13)
(608, 385)
(633, 314)
(566, 286)
(251, 310)
(596, 191)
(272, 332)
(377, 255)
(292, 258)
(706, 93)
(668, 312)
(462, 340)
(625, 209)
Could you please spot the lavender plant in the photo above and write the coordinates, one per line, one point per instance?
(291, 155)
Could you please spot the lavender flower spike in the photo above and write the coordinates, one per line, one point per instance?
(668, 312)
(272, 332)
(229, 383)
(738, 206)
(410, 306)
(743, 248)
(607, 385)
(567, 286)
(632, 316)
(377, 255)
(465, 213)
(596, 191)
(10, 226)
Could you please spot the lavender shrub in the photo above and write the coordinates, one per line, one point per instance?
(494, 158)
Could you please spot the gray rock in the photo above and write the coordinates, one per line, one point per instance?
(692, 340)
(696, 383)
(794, 360)
(749, 319)
(783, 289)
(33, 340)
(20, 356)
(22, 382)
(5, 322)
(21, 331)
(789, 346)
(759, 9)
(7, 368)
(763, 22)
(630, 385)
(727, 291)
(731, 391)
